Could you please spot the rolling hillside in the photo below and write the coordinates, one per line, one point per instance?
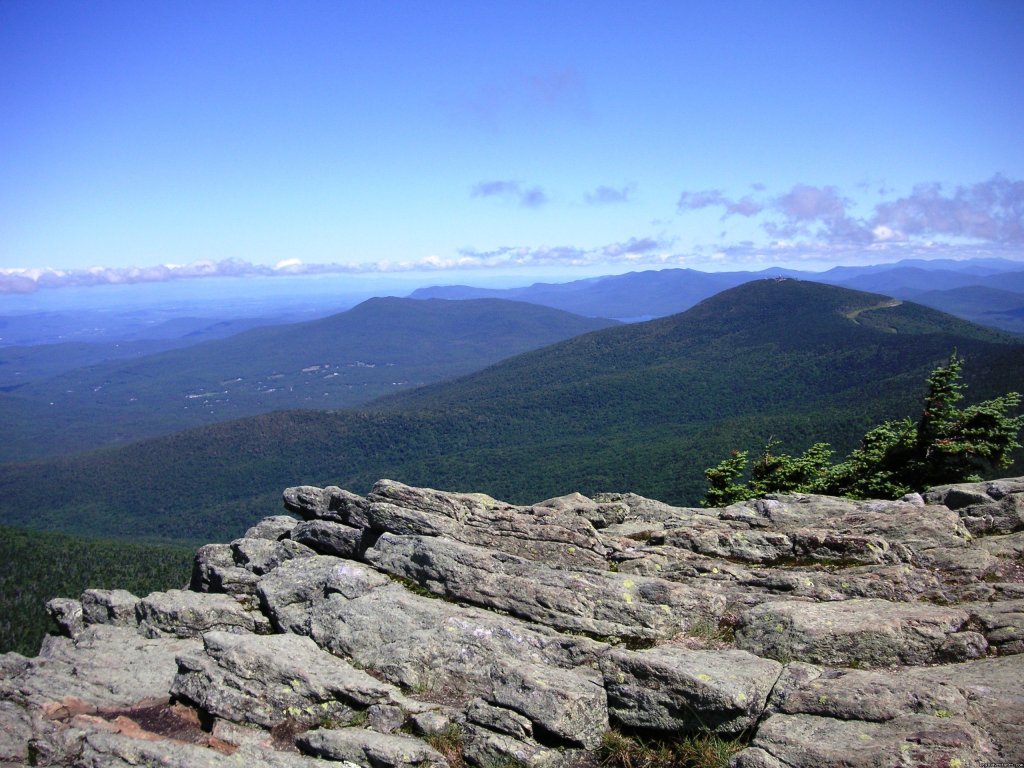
(643, 407)
(376, 348)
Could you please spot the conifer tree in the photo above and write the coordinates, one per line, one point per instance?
(947, 444)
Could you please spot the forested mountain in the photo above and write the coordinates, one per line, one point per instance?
(963, 289)
(644, 408)
(375, 348)
(36, 566)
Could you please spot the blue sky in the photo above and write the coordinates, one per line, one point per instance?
(474, 140)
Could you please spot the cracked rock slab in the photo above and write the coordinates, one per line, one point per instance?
(109, 606)
(606, 604)
(806, 741)
(985, 694)
(1002, 623)
(675, 690)
(551, 534)
(868, 632)
(104, 666)
(873, 696)
(436, 649)
(182, 613)
(100, 748)
(567, 705)
(293, 594)
(368, 748)
(485, 747)
(268, 679)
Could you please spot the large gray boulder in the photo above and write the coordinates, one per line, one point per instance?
(67, 614)
(330, 503)
(326, 537)
(993, 506)
(214, 570)
(273, 528)
(262, 555)
(675, 690)
(109, 606)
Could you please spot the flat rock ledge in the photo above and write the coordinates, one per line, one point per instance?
(416, 627)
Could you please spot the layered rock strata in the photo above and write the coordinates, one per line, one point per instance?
(414, 627)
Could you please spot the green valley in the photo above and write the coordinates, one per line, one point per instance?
(378, 347)
(643, 408)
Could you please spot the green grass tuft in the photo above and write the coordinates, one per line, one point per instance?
(705, 750)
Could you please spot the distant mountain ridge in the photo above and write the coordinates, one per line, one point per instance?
(339, 361)
(658, 293)
(644, 407)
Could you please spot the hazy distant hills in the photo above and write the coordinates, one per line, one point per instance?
(636, 295)
(987, 306)
(660, 293)
(648, 294)
(109, 330)
(375, 348)
(643, 407)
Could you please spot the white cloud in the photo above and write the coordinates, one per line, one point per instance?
(991, 211)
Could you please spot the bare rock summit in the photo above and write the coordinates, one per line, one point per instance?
(422, 628)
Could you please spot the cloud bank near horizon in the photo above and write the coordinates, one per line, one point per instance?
(807, 226)
(634, 250)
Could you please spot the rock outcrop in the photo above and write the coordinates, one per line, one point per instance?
(415, 627)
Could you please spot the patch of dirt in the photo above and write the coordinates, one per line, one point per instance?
(169, 721)
(283, 734)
